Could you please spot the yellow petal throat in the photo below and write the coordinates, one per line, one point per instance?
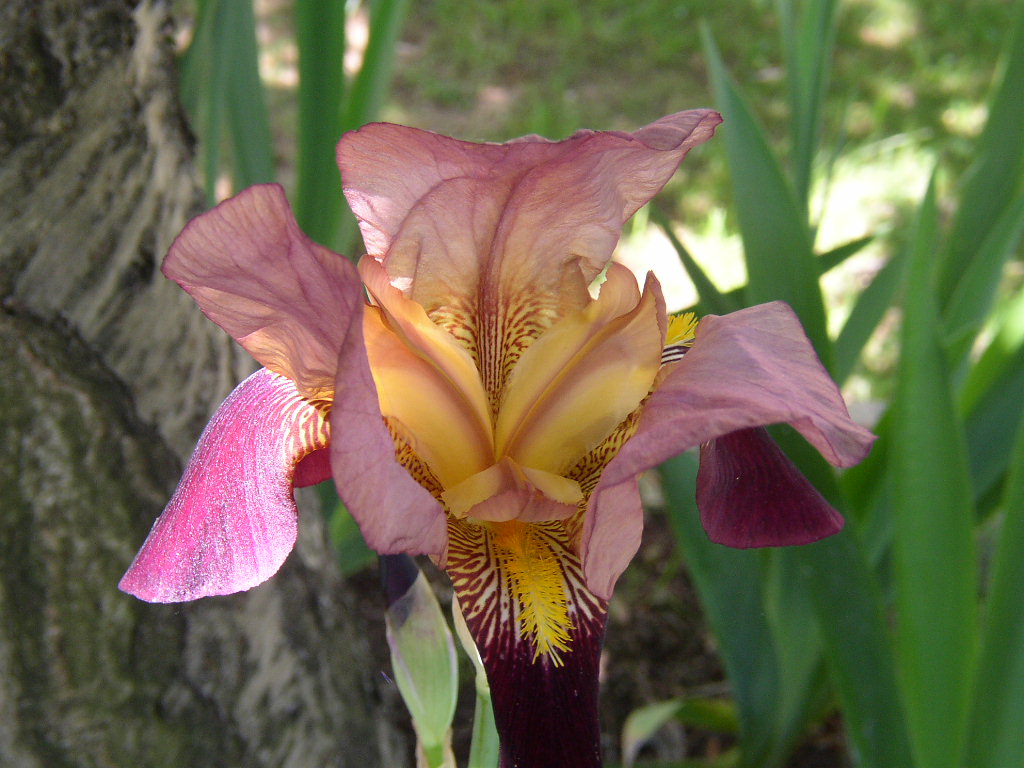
(522, 575)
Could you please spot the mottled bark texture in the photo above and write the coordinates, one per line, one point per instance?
(107, 374)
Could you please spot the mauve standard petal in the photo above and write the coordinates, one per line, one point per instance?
(284, 298)
(751, 495)
(747, 369)
(395, 513)
(232, 521)
(387, 170)
(527, 224)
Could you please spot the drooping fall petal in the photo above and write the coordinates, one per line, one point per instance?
(232, 521)
(747, 369)
(284, 298)
(751, 495)
(612, 532)
(539, 630)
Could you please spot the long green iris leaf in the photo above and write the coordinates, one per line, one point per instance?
(935, 567)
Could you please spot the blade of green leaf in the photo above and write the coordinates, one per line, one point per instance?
(202, 91)
(777, 243)
(709, 714)
(370, 85)
(1008, 336)
(794, 624)
(975, 291)
(935, 581)
(833, 258)
(868, 311)
(991, 425)
(221, 80)
(484, 749)
(998, 716)
(851, 615)
(729, 584)
(712, 301)
(642, 723)
(353, 554)
(997, 173)
(320, 34)
(989, 398)
(807, 45)
(248, 121)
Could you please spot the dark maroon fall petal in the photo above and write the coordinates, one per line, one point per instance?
(546, 715)
(544, 684)
(751, 495)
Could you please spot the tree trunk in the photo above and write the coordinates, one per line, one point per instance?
(107, 374)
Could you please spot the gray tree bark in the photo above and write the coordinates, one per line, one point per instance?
(107, 374)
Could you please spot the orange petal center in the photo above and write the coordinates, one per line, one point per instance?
(567, 392)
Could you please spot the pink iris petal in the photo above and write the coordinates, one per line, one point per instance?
(395, 513)
(232, 521)
(751, 495)
(612, 530)
(747, 369)
(512, 222)
(284, 298)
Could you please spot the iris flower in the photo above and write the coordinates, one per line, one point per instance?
(475, 402)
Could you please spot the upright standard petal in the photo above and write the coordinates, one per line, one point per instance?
(284, 298)
(232, 521)
(497, 242)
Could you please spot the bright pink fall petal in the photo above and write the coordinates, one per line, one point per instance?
(751, 495)
(514, 222)
(395, 513)
(284, 298)
(232, 521)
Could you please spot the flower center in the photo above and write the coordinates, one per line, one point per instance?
(514, 468)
